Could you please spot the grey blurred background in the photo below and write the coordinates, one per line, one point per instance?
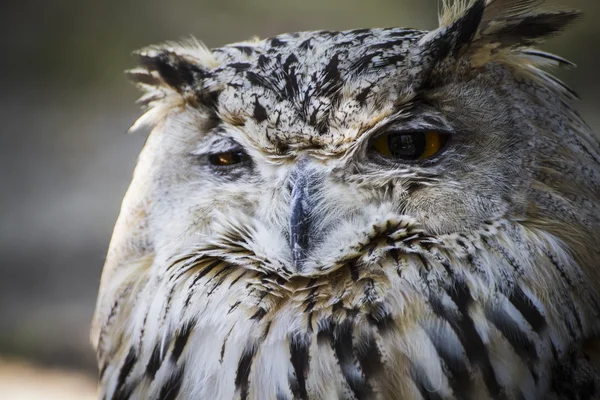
(65, 160)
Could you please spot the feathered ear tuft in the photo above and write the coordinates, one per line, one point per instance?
(452, 10)
(481, 29)
(459, 23)
(172, 69)
(172, 75)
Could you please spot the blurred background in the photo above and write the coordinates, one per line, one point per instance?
(65, 160)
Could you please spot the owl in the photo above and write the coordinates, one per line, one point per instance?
(365, 214)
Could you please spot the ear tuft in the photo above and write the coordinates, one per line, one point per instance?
(172, 75)
(480, 29)
(452, 10)
(143, 77)
(171, 68)
(527, 30)
(467, 25)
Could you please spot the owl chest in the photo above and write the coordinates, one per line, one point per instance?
(358, 337)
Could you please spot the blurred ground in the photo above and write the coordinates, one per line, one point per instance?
(65, 160)
(21, 381)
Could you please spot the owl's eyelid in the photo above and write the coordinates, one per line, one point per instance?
(415, 123)
(392, 129)
(216, 146)
(227, 150)
(416, 119)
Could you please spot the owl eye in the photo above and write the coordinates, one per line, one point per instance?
(227, 158)
(409, 145)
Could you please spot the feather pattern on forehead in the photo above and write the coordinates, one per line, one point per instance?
(310, 89)
(321, 90)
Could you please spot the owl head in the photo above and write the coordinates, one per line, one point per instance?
(290, 156)
(298, 148)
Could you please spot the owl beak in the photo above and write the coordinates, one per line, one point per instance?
(303, 188)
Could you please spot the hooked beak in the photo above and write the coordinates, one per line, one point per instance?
(304, 183)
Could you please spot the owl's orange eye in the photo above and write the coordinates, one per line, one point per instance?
(228, 158)
(411, 145)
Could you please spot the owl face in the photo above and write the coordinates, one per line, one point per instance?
(306, 145)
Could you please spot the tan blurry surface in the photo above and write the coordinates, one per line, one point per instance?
(22, 381)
